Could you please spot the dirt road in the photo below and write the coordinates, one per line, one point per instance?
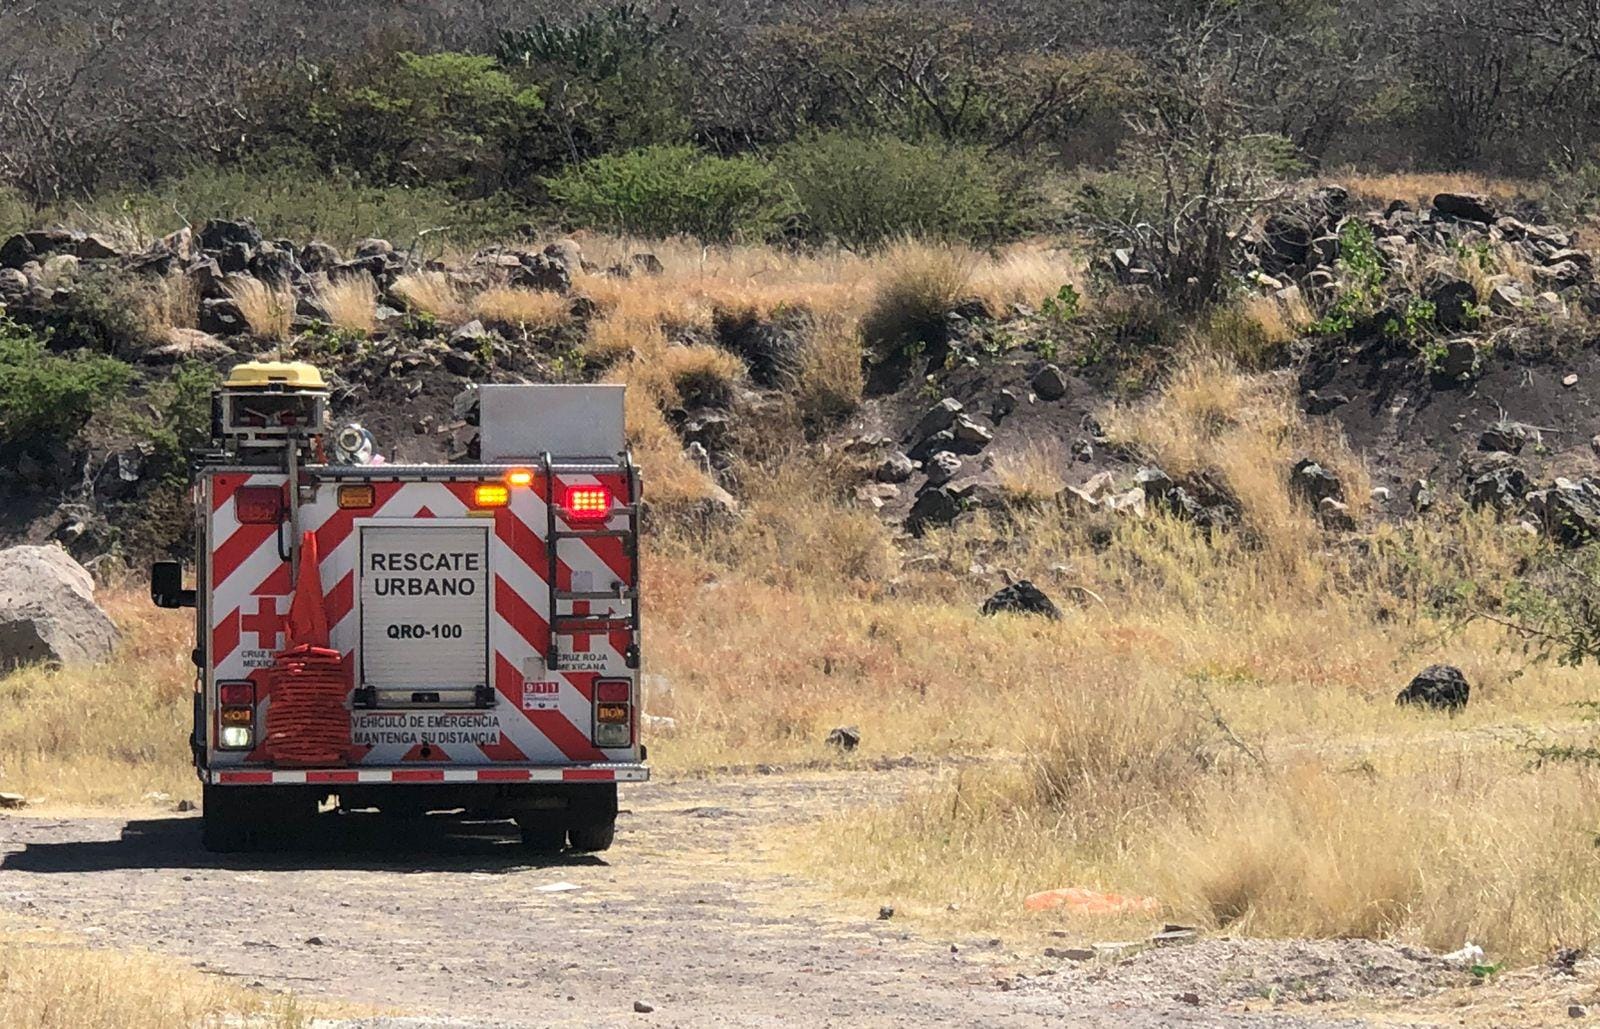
(453, 926)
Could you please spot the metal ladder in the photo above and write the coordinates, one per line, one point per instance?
(569, 624)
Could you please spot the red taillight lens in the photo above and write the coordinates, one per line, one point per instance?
(613, 691)
(258, 505)
(243, 693)
(588, 503)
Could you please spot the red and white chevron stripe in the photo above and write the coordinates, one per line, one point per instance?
(250, 594)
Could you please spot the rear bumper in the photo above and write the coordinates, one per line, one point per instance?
(411, 776)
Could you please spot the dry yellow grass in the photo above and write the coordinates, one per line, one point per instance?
(105, 735)
(432, 293)
(920, 283)
(524, 308)
(1114, 768)
(1027, 274)
(1246, 431)
(1033, 474)
(352, 303)
(269, 312)
(1422, 187)
(172, 303)
(48, 982)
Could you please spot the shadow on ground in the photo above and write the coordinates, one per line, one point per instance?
(332, 841)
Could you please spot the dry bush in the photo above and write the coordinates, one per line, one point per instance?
(269, 312)
(432, 293)
(799, 530)
(699, 376)
(1112, 760)
(1253, 333)
(917, 285)
(351, 302)
(173, 303)
(526, 308)
(1033, 474)
(1439, 850)
(829, 382)
(46, 983)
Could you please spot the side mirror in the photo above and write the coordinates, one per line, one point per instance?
(166, 586)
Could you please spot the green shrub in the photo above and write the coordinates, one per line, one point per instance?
(297, 202)
(183, 417)
(667, 190)
(612, 79)
(408, 118)
(860, 191)
(44, 396)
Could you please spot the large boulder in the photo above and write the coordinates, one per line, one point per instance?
(1568, 510)
(1441, 687)
(1022, 597)
(1471, 207)
(218, 233)
(1314, 483)
(47, 610)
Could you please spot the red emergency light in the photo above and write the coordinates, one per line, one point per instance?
(258, 505)
(587, 503)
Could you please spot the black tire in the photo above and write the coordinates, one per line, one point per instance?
(542, 839)
(244, 818)
(223, 828)
(593, 837)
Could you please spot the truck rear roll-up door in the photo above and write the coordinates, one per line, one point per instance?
(424, 613)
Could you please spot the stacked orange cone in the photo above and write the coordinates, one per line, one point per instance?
(307, 721)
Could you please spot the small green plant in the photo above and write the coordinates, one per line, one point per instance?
(1413, 324)
(1434, 354)
(486, 351)
(1064, 306)
(421, 323)
(1048, 347)
(1361, 286)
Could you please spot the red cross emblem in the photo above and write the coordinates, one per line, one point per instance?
(266, 623)
(580, 639)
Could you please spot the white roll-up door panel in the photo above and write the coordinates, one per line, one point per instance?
(424, 606)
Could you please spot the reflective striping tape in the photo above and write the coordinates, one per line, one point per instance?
(402, 776)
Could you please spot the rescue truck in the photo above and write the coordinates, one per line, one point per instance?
(413, 638)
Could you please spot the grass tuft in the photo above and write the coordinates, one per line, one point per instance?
(352, 303)
(269, 312)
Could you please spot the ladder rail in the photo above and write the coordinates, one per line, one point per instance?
(554, 534)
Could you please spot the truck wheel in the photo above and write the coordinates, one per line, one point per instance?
(542, 839)
(223, 828)
(593, 837)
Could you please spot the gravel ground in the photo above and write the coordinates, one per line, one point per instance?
(446, 924)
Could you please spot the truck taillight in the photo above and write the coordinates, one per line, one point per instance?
(236, 715)
(613, 712)
(258, 505)
(587, 503)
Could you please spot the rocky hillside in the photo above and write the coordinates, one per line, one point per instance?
(1448, 345)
